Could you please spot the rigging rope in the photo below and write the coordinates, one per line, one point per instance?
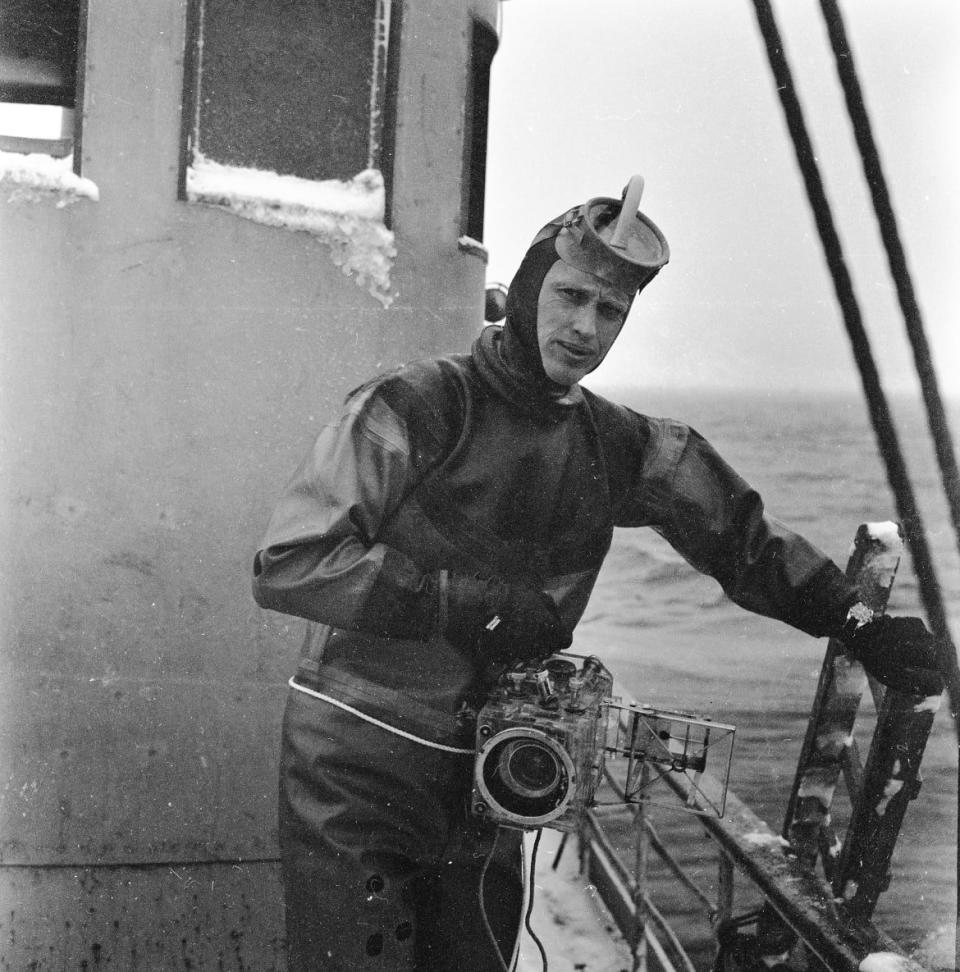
(876, 400)
(896, 258)
(878, 407)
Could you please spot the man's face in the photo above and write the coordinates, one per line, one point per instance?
(578, 317)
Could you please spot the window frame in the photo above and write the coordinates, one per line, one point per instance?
(483, 48)
(381, 110)
(69, 98)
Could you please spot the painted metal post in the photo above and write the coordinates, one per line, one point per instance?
(725, 889)
(639, 943)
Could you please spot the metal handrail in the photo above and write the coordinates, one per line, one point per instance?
(837, 934)
(802, 900)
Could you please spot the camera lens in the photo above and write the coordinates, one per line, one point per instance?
(529, 768)
(524, 776)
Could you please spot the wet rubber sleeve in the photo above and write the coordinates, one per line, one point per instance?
(319, 559)
(718, 523)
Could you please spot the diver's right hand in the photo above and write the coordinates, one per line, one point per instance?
(500, 621)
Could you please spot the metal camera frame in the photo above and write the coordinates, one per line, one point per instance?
(593, 736)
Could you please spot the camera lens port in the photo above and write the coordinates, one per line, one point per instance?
(524, 775)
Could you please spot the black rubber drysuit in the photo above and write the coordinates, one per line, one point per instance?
(463, 464)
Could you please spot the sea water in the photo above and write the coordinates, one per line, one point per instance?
(674, 640)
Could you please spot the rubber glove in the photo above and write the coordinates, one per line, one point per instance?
(899, 652)
(499, 621)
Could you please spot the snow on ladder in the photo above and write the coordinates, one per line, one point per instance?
(858, 867)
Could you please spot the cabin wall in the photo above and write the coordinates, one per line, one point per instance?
(164, 367)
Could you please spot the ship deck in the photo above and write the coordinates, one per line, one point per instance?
(569, 917)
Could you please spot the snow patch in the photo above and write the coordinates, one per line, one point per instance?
(817, 790)
(469, 245)
(836, 846)
(884, 962)
(833, 743)
(347, 216)
(36, 176)
(760, 837)
(569, 917)
(886, 536)
(886, 532)
(890, 790)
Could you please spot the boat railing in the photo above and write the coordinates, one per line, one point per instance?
(815, 893)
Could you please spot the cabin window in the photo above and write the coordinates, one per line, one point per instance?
(288, 118)
(298, 88)
(40, 57)
(483, 45)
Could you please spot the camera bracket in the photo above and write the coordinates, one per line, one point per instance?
(667, 741)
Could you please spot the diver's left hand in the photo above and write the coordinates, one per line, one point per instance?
(899, 652)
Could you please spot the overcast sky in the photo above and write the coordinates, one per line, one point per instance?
(587, 92)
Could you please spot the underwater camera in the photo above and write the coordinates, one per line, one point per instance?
(546, 733)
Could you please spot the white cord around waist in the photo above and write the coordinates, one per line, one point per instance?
(376, 722)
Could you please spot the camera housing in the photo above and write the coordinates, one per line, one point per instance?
(546, 731)
(541, 743)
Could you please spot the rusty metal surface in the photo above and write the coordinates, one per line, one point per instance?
(147, 919)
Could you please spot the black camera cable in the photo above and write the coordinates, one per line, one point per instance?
(527, 915)
(533, 884)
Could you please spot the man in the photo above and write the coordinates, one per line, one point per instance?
(452, 521)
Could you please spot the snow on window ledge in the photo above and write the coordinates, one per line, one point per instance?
(37, 176)
(347, 216)
(469, 245)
